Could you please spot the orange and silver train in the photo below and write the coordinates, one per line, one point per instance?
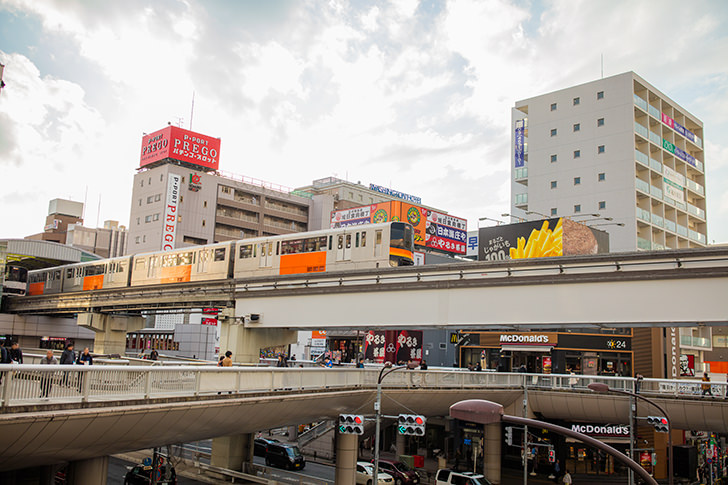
(351, 247)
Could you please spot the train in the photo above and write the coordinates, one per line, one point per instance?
(353, 247)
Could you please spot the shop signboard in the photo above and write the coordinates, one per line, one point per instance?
(395, 346)
(543, 238)
(687, 365)
(169, 228)
(519, 150)
(615, 343)
(673, 184)
(601, 430)
(395, 193)
(181, 145)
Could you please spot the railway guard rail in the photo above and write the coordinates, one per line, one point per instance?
(38, 385)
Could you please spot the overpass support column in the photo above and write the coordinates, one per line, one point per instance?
(110, 331)
(346, 449)
(232, 451)
(93, 470)
(492, 461)
(401, 443)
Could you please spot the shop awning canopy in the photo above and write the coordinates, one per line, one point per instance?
(528, 348)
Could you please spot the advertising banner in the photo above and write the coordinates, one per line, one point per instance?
(687, 365)
(538, 239)
(182, 145)
(169, 227)
(446, 233)
(519, 148)
(395, 193)
(668, 121)
(351, 217)
(395, 346)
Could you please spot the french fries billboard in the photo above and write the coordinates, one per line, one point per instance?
(540, 239)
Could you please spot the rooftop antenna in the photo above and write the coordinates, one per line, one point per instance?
(192, 110)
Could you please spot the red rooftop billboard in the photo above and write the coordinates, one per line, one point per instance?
(180, 144)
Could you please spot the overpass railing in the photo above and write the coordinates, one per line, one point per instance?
(22, 385)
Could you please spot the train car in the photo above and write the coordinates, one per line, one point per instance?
(195, 263)
(96, 275)
(351, 247)
(16, 280)
(47, 281)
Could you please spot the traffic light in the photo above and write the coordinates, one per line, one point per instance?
(351, 424)
(552, 455)
(659, 422)
(411, 425)
(509, 435)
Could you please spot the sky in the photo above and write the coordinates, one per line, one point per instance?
(412, 95)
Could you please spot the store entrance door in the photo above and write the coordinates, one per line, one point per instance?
(534, 362)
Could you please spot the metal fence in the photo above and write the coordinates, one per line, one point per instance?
(44, 384)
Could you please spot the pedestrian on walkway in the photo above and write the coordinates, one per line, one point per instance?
(85, 357)
(567, 477)
(68, 357)
(706, 387)
(227, 361)
(16, 355)
(46, 381)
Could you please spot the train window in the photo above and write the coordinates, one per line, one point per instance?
(255, 249)
(331, 242)
(348, 241)
(220, 254)
(185, 259)
(363, 239)
(69, 273)
(357, 240)
(379, 238)
(246, 251)
(314, 244)
(140, 263)
(278, 248)
(169, 260)
(57, 274)
(94, 270)
(341, 242)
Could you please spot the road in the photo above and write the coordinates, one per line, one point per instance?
(117, 470)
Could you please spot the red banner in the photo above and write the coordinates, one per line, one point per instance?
(182, 145)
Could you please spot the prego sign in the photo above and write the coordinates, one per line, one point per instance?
(182, 145)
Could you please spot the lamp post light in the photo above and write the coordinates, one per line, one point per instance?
(487, 412)
(498, 222)
(512, 216)
(378, 413)
(620, 224)
(604, 388)
(539, 214)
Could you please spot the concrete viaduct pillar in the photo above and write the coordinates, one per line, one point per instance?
(492, 452)
(110, 330)
(346, 453)
(93, 470)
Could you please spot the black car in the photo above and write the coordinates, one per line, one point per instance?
(260, 445)
(283, 455)
(142, 475)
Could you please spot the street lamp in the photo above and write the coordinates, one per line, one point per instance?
(538, 214)
(620, 224)
(604, 388)
(489, 219)
(378, 412)
(517, 218)
(488, 412)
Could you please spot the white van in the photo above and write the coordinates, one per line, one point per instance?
(449, 477)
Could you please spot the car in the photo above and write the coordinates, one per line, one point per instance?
(142, 475)
(450, 477)
(402, 474)
(365, 475)
(260, 445)
(283, 455)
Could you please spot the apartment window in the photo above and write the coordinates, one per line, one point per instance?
(577, 153)
(181, 198)
(155, 217)
(602, 204)
(577, 208)
(144, 238)
(140, 202)
(157, 197)
(600, 149)
(577, 180)
(600, 122)
(554, 158)
(150, 199)
(600, 95)
(142, 182)
(161, 177)
(577, 101)
(136, 240)
(203, 222)
(577, 126)
(553, 106)
(602, 177)
(138, 220)
(553, 131)
(553, 184)
(553, 209)
(150, 180)
(204, 204)
(148, 219)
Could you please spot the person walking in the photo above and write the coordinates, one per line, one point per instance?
(16, 355)
(360, 364)
(85, 357)
(423, 365)
(282, 362)
(706, 387)
(227, 361)
(46, 380)
(68, 357)
(567, 477)
(154, 355)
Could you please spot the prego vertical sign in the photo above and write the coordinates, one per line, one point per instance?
(169, 228)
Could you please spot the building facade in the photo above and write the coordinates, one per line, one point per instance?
(108, 242)
(616, 147)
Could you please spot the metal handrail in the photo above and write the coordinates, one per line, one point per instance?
(24, 385)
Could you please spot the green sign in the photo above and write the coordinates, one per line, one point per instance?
(668, 146)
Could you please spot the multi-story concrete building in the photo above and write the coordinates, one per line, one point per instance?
(108, 241)
(616, 147)
(61, 214)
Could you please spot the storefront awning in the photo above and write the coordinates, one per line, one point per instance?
(528, 348)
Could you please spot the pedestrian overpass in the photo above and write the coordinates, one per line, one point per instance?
(102, 410)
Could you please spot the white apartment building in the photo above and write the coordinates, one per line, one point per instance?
(615, 153)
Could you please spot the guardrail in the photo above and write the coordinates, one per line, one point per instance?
(22, 385)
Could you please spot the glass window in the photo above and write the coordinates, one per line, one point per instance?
(553, 131)
(600, 95)
(553, 184)
(348, 241)
(600, 149)
(602, 177)
(577, 126)
(577, 208)
(554, 158)
(341, 242)
(553, 209)
(169, 260)
(357, 240)
(186, 258)
(246, 251)
(363, 239)
(401, 236)
(600, 122)
(577, 180)
(576, 101)
(602, 204)
(577, 153)
(553, 106)
(220, 254)
(150, 199)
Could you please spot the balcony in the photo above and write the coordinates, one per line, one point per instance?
(642, 158)
(682, 230)
(696, 236)
(699, 342)
(670, 226)
(681, 205)
(643, 244)
(521, 199)
(696, 187)
(640, 102)
(655, 165)
(657, 220)
(655, 138)
(520, 173)
(641, 130)
(655, 192)
(643, 215)
(696, 211)
(642, 185)
(654, 112)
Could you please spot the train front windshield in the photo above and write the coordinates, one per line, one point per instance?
(401, 244)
